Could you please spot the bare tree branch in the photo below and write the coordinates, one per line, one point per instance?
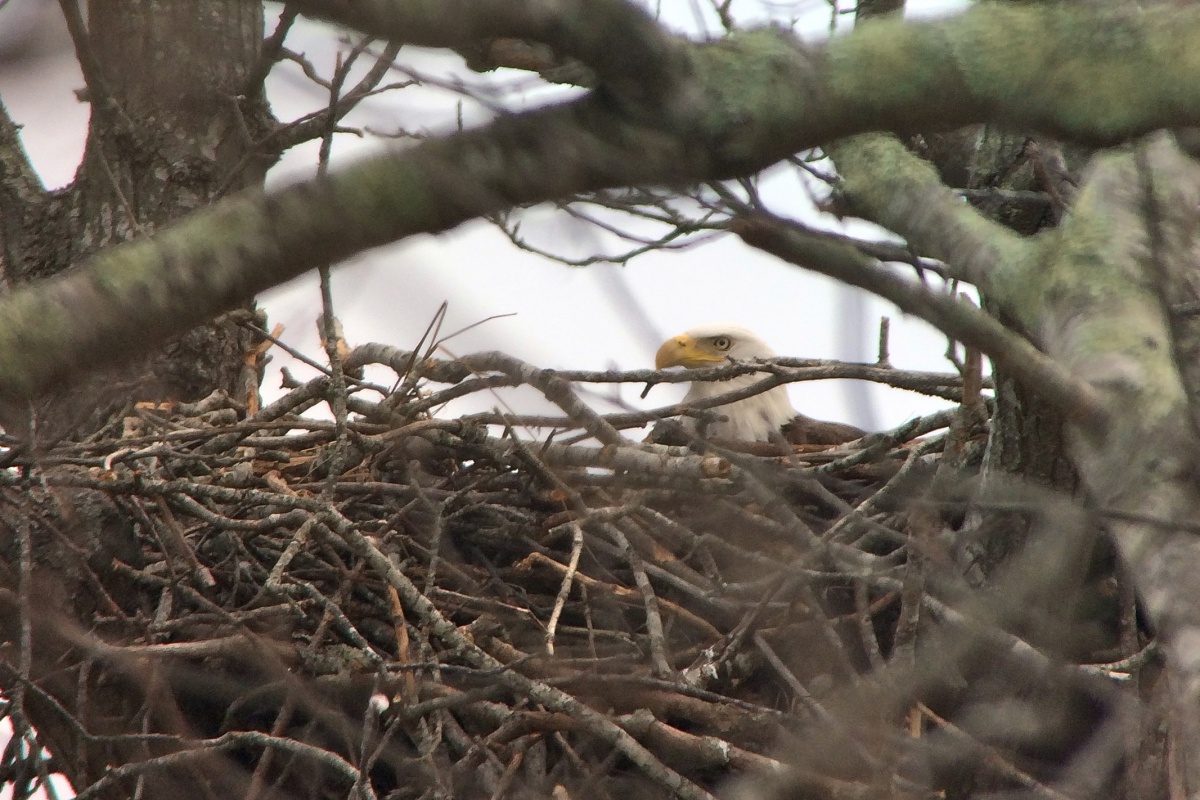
(959, 320)
(726, 121)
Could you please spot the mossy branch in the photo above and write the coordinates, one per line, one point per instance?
(735, 107)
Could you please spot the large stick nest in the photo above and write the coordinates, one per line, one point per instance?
(404, 605)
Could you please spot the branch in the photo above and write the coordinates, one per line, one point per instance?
(19, 181)
(21, 196)
(740, 105)
(963, 322)
(644, 69)
(1100, 299)
(1063, 71)
(1095, 292)
(883, 182)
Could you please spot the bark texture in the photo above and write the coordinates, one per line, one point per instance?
(175, 124)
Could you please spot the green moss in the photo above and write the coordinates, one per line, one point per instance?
(887, 64)
(749, 79)
(1082, 69)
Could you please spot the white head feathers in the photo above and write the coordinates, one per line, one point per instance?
(754, 419)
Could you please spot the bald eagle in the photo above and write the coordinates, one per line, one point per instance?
(760, 418)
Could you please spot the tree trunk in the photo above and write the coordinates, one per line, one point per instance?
(174, 126)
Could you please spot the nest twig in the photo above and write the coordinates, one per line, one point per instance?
(528, 617)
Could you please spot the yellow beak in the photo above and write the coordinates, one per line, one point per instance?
(684, 351)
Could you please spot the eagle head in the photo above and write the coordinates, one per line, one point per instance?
(754, 419)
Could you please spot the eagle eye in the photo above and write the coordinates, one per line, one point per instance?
(722, 342)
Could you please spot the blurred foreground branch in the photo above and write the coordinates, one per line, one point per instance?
(676, 114)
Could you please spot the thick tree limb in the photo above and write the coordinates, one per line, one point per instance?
(17, 176)
(21, 195)
(1051, 69)
(956, 318)
(1098, 301)
(738, 106)
(646, 68)
(1092, 292)
(883, 181)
